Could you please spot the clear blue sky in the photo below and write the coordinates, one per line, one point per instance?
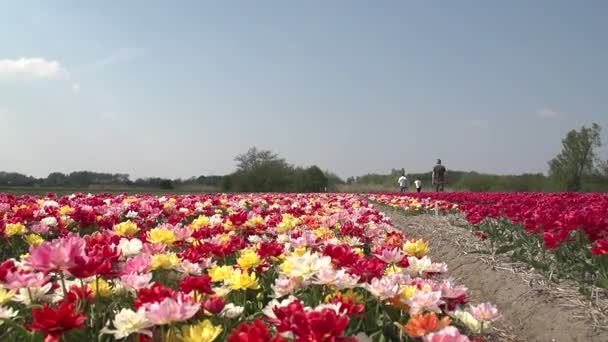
(178, 88)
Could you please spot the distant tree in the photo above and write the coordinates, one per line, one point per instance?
(333, 180)
(166, 184)
(576, 158)
(121, 178)
(311, 179)
(260, 171)
(55, 179)
(350, 180)
(16, 179)
(254, 158)
(316, 180)
(603, 168)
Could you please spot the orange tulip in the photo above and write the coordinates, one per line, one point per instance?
(424, 324)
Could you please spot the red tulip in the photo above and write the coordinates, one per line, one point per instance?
(56, 321)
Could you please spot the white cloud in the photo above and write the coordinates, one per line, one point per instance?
(546, 113)
(76, 88)
(31, 69)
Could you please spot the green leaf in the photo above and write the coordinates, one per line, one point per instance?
(505, 249)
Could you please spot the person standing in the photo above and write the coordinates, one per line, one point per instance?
(439, 176)
(418, 185)
(402, 183)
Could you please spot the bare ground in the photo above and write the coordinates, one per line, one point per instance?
(532, 308)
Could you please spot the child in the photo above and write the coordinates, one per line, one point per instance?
(418, 184)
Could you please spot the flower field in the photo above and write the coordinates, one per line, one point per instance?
(259, 267)
(414, 205)
(564, 234)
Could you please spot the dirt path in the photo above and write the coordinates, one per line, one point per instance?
(530, 313)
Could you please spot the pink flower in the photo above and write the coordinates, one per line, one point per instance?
(182, 233)
(383, 288)
(206, 262)
(57, 255)
(400, 278)
(284, 286)
(137, 264)
(17, 280)
(307, 239)
(391, 256)
(447, 334)
(449, 291)
(332, 220)
(425, 301)
(484, 312)
(40, 228)
(170, 311)
(154, 248)
(136, 281)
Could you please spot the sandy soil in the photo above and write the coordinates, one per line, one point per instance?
(530, 312)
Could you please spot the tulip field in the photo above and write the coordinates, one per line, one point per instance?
(560, 234)
(255, 267)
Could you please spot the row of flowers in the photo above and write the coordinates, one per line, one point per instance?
(259, 267)
(414, 204)
(572, 227)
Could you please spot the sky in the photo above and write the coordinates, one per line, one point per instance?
(179, 88)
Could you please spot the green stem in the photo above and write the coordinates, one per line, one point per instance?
(29, 293)
(20, 328)
(62, 277)
(162, 333)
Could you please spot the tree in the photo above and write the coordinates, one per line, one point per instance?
(315, 179)
(333, 180)
(16, 179)
(576, 158)
(254, 158)
(260, 171)
(55, 179)
(603, 169)
(166, 184)
(311, 179)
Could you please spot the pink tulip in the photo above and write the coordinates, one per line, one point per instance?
(18, 280)
(137, 264)
(484, 312)
(136, 281)
(447, 334)
(154, 248)
(170, 311)
(57, 255)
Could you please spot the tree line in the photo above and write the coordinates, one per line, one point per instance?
(577, 167)
(257, 171)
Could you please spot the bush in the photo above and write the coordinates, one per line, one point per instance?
(166, 184)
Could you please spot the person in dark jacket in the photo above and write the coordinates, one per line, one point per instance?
(439, 176)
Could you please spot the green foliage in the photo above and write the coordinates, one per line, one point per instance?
(311, 179)
(264, 171)
(333, 181)
(576, 160)
(16, 179)
(571, 260)
(502, 183)
(457, 181)
(166, 184)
